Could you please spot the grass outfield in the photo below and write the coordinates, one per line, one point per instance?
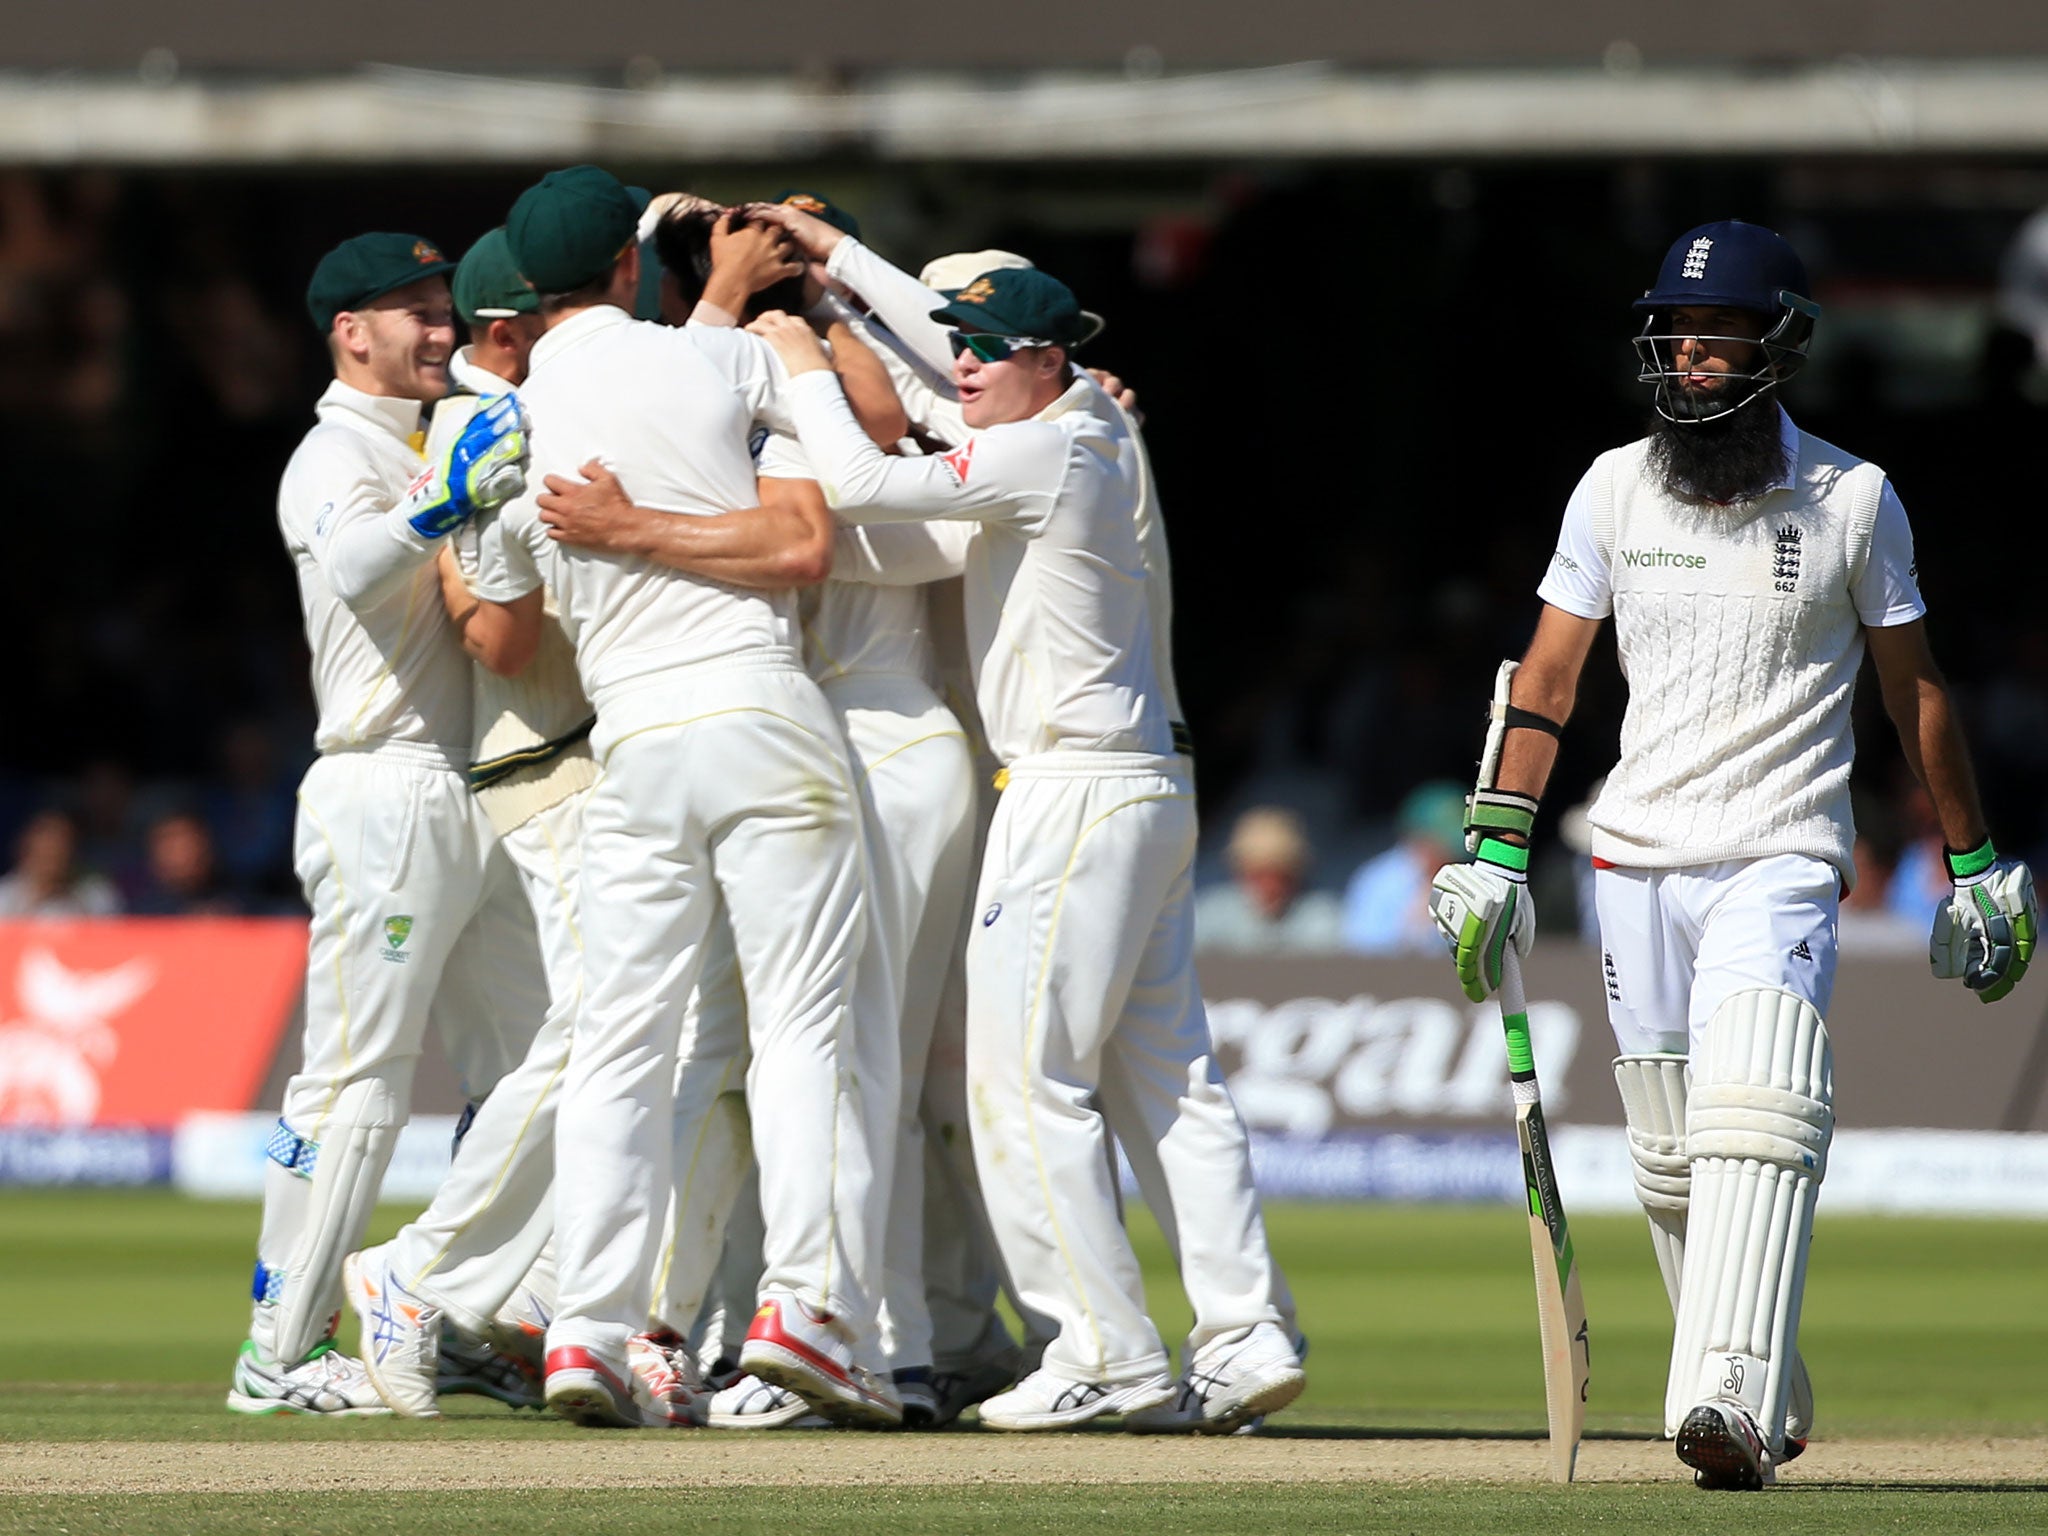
(119, 1314)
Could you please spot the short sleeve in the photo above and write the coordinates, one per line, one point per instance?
(1888, 591)
(1579, 580)
(506, 569)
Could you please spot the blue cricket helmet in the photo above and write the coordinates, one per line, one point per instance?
(1726, 265)
(1742, 266)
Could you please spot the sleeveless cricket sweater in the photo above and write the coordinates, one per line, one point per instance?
(1740, 643)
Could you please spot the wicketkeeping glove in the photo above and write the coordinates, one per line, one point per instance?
(483, 468)
(1483, 907)
(1985, 931)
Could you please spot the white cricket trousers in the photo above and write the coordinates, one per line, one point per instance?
(1677, 943)
(1084, 1017)
(416, 915)
(725, 781)
(912, 773)
(494, 1213)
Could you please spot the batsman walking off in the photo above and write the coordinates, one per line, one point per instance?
(1747, 565)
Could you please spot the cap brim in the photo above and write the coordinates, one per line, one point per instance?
(972, 317)
(1650, 302)
(1094, 324)
(641, 198)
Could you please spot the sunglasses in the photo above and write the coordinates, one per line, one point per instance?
(991, 348)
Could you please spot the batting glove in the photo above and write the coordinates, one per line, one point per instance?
(1481, 908)
(484, 467)
(1985, 931)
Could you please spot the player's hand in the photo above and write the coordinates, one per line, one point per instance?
(1118, 391)
(1481, 908)
(484, 467)
(592, 513)
(1985, 932)
(813, 236)
(793, 340)
(752, 253)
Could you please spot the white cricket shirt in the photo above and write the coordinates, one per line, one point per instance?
(1740, 631)
(670, 411)
(517, 717)
(387, 665)
(1059, 625)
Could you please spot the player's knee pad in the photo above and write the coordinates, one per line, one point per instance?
(1653, 1098)
(1758, 1126)
(356, 1141)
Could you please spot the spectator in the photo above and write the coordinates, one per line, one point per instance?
(1386, 907)
(47, 880)
(1263, 909)
(183, 874)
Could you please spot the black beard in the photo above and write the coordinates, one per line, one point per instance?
(1731, 458)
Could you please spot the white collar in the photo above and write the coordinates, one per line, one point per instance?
(1075, 395)
(387, 413)
(472, 375)
(1788, 438)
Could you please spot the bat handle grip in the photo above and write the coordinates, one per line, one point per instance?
(1514, 1018)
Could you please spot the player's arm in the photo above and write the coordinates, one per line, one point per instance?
(1985, 932)
(869, 390)
(367, 545)
(901, 554)
(501, 636)
(1544, 685)
(862, 483)
(786, 541)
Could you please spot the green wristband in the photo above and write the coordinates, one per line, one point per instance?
(1492, 850)
(1967, 866)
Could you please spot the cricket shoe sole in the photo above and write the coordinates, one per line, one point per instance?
(789, 1346)
(1724, 1449)
(584, 1390)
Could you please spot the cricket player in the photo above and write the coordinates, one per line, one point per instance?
(1083, 1013)
(867, 647)
(463, 1273)
(896, 313)
(392, 852)
(722, 782)
(1747, 566)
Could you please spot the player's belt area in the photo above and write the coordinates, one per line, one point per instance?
(496, 770)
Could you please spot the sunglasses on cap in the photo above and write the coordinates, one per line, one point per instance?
(991, 348)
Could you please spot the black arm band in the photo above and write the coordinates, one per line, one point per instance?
(1528, 720)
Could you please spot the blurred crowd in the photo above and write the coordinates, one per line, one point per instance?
(1356, 543)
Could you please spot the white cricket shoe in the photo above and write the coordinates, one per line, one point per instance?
(1234, 1379)
(1045, 1400)
(1724, 1447)
(750, 1403)
(666, 1386)
(401, 1340)
(811, 1354)
(591, 1389)
(325, 1382)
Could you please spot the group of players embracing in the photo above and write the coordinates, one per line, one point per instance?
(748, 729)
(748, 732)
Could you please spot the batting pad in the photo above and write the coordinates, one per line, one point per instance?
(360, 1132)
(1653, 1096)
(1757, 1131)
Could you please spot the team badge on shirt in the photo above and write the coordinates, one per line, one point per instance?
(957, 461)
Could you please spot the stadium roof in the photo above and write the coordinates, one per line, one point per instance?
(826, 36)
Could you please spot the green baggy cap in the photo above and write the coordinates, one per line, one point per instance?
(1020, 301)
(368, 267)
(568, 228)
(488, 285)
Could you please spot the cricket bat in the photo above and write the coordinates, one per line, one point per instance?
(1560, 1309)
